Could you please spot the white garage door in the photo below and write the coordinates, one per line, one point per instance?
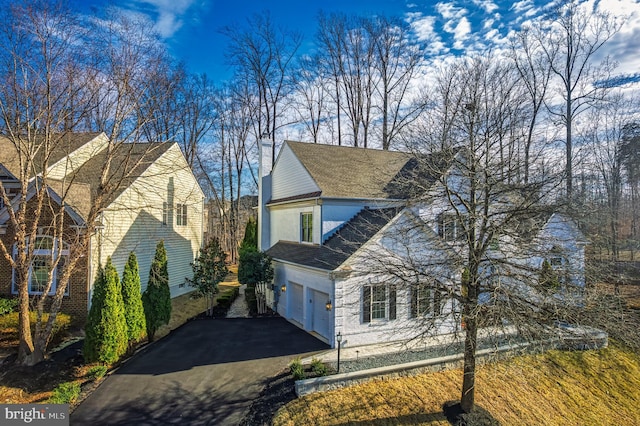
(296, 302)
(321, 316)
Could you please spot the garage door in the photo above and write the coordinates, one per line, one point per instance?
(321, 316)
(296, 303)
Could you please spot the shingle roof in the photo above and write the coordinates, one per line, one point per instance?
(129, 161)
(348, 172)
(64, 144)
(339, 247)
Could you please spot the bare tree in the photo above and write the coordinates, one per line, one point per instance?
(606, 134)
(196, 107)
(226, 162)
(56, 80)
(397, 60)
(264, 55)
(535, 72)
(469, 237)
(571, 42)
(330, 39)
(351, 61)
(310, 96)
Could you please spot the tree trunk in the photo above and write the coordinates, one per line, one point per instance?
(470, 319)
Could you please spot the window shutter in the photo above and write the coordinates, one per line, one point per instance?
(392, 302)
(437, 302)
(414, 302)
(366, 304)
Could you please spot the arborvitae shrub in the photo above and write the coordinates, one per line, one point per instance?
(156, 299)
(106, 329)
(132, 298)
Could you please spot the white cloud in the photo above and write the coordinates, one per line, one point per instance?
(488, 5)
(461, 33)
(423, 27)
(522, 6)
(450, 11)
(168, 15)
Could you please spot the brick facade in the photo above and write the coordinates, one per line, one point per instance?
(76, 302)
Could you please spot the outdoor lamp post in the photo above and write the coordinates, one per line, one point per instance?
(339, 340)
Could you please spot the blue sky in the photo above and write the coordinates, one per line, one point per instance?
(191, 27)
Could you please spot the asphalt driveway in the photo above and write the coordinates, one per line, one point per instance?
(205, 373)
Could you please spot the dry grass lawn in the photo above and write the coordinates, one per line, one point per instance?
(556, 388)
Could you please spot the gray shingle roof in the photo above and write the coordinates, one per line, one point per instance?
(348, 172)
(64, 144)
(129, 161)
(340, 246)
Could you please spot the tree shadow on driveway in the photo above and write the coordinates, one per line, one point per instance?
(205, 372)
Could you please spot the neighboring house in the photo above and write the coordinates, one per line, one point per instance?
(338, 225)
(156, 198)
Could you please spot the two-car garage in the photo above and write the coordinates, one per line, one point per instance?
(307, 305)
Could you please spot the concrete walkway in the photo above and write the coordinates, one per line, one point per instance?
(207, 372)
(239, 307)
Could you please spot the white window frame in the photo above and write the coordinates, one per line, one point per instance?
(49, 254)
(165, 213)
(306, 227)
(427, 300)
(450, 227)
(379, 303)
(181, 214)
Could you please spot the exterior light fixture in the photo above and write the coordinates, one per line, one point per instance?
(329, 306)
(283, 288)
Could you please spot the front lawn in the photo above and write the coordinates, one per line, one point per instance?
(556, 388)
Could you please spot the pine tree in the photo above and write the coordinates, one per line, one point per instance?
(157, 297)
(209, 269)
(250, 240)
(132, 297)
(106, 329)
(248, 251)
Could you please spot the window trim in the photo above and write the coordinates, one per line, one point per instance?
(48, 254)
(388, 305)
(165, 213)
(450, 227)
(181, 215)
(433, 303)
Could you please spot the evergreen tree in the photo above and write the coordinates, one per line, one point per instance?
(548, 279)
(248, 252)
(209, 269)
(106, 329)
(250, 240)
(157, 297)
(132, 297)
(256, 268)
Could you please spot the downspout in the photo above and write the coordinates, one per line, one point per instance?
(202, 224)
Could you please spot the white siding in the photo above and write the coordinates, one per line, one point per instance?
(285, 222)
(133, 222)
(289, 176)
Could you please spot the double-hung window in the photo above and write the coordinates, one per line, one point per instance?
(306, 227)
(378, 303)
(165, 213)
(181, 214)
(426, 300)
(48, 258)
(451, 227)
